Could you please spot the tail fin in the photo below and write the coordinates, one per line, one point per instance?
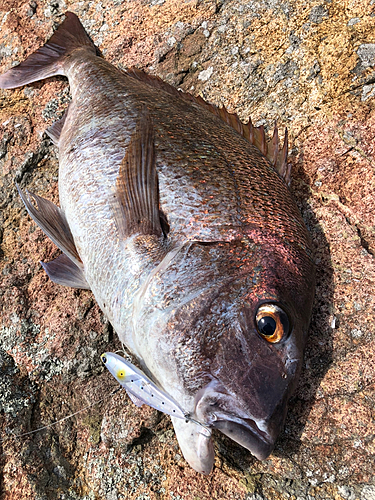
(49, 59)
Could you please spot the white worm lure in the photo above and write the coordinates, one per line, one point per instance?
(139, 387)
(142, 390)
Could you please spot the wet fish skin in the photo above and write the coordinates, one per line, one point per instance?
(182, 229)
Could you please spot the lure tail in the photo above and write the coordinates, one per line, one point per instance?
(49, 59)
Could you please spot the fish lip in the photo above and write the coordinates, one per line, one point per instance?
(247, 423)
(247, 433)
(216, 408)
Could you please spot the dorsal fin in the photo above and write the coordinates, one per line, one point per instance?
(255, 135)
(152, 80)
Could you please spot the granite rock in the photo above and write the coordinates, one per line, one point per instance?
(310, 65)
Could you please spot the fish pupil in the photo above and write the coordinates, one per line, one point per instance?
(267, 326)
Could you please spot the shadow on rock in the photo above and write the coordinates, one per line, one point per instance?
(319, 346)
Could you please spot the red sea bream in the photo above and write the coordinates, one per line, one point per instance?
(180, 220)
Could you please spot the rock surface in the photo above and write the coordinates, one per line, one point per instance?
(310, 65)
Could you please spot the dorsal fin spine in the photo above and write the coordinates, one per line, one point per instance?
(255, 135)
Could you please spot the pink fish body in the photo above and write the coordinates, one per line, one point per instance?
(179, 219)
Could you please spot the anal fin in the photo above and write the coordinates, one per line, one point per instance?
(63, 271)
(54, 131)
(52, 221)
(136, 200)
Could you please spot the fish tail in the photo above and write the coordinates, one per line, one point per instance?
(49, 59)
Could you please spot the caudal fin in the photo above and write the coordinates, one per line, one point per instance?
(49, 59)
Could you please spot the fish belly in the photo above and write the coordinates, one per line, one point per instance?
(92, 145)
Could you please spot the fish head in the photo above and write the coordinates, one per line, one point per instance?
(256, 362)
(225, 328)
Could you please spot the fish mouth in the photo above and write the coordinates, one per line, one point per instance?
(246, 433)
(220, 410)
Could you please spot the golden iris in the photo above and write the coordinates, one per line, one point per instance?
(272, 323)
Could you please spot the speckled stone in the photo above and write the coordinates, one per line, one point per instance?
(310, 65)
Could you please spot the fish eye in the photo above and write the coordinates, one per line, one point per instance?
(120, 374)
(104, 358)
(272, 323)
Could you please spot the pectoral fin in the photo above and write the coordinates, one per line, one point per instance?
(52, 221)
(136, 200)
(63, 271)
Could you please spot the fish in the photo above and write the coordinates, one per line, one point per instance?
(180, 220)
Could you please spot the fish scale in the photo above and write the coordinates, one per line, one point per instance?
(85, 193)
(179, 219)
(205, 154)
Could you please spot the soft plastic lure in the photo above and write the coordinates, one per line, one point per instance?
(141, 389)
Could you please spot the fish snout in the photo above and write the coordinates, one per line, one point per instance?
(220, 410)
(248, 435)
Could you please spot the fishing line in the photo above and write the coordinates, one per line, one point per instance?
(23, 434)
(122, 351)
